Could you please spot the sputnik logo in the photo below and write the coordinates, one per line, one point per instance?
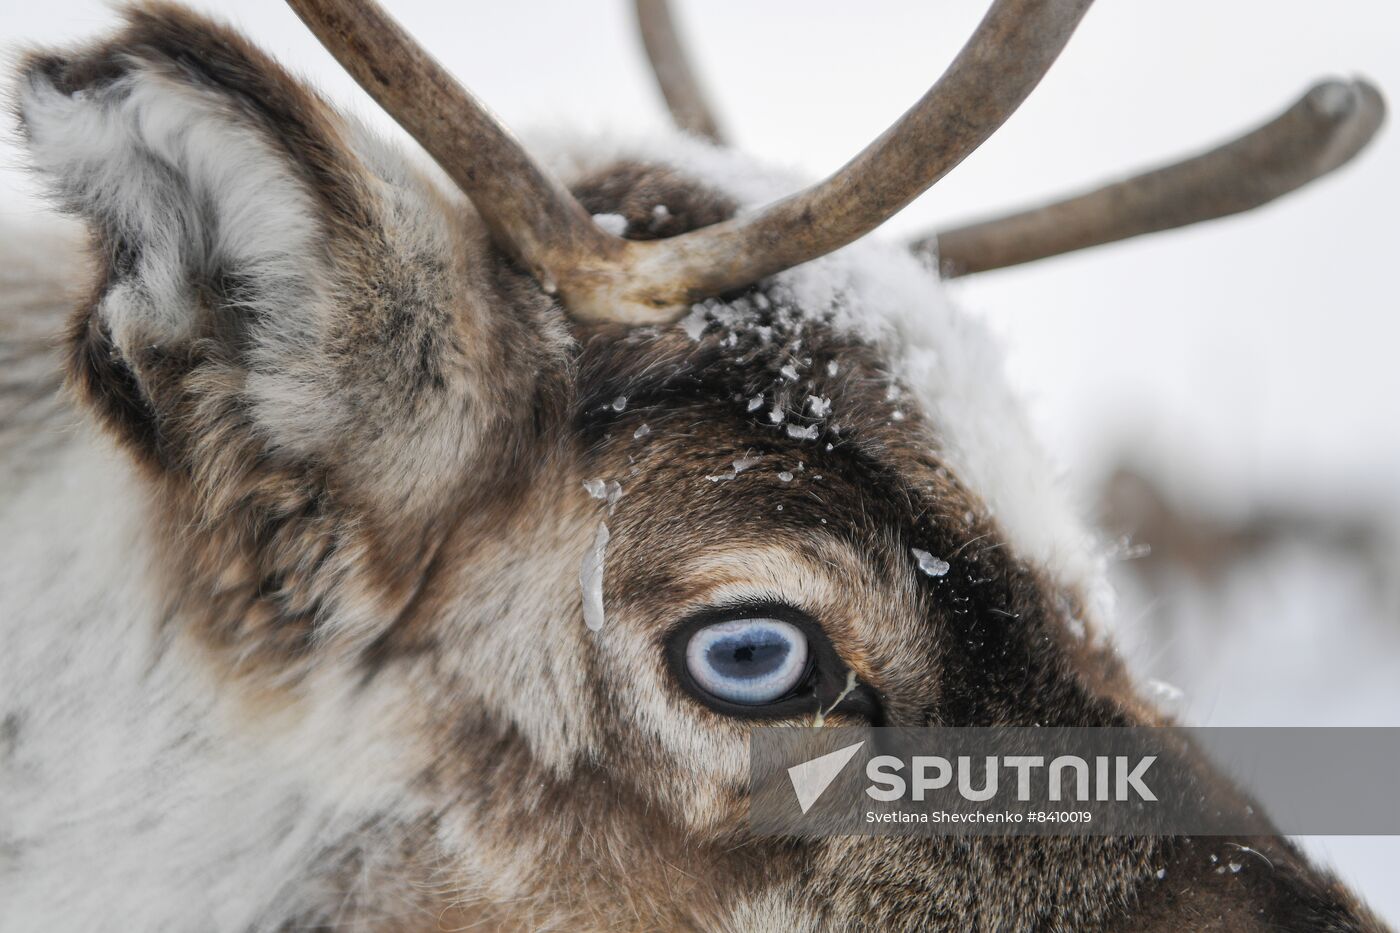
(811, 778)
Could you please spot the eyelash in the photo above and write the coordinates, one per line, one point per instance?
(817, 689)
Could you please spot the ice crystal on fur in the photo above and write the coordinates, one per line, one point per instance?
(590, 579)
(615, 224)
(928, 564)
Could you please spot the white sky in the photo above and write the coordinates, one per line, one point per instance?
(1250, 357)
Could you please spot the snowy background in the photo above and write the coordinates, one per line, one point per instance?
(1227, 393)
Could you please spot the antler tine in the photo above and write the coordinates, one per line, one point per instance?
(1008, 54)
(674, 74)
(606, 278)
(529, 211)
(1321, 132)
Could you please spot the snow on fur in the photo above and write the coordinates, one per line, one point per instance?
(950, 363)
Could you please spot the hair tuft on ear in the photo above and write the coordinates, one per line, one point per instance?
(269, 274)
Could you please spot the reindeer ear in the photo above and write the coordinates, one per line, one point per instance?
(264, 264)
(212, 182)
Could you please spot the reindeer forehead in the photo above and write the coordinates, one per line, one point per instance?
(756, 392)
(869, 330)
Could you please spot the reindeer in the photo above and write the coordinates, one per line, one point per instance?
(365, 573)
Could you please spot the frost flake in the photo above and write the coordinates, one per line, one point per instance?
(928, 564)
(590, 579)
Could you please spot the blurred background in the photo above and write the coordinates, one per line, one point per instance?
(1223, 399)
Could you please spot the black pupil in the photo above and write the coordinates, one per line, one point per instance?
(748, 655)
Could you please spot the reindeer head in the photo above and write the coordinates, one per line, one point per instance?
(462, 487)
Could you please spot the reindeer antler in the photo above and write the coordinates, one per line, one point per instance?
(1321, 132)
(603, 277)
(531, 213)
(670, 64)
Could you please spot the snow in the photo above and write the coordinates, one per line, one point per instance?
(590, 579)
(928, 564)
(608, 491)
(785, 476)
(756, 402)
(820, 719)
(1168, 696)
(738, 466)
(619, 403)
(799, 433)
(642, 431)
(695, 322)
(615, 224)
(818, 407)
(1127, 549)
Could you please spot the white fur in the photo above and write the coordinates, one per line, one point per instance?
(180, 170)
(135, 798)
(171, 168)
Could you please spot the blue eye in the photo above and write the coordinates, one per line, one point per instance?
(747, 661)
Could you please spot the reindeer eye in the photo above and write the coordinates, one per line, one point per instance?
(747, 661)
